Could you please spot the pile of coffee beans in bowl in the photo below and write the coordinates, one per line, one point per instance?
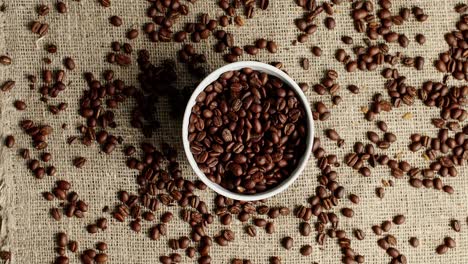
(247, 131)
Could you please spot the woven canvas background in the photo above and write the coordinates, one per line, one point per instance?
(85, 34)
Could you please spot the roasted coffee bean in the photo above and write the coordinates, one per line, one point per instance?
(132, 34)
(287, 242)
(420, 38)
(347, 212)
(9, 141)
(61, 7)
(43, 10)
(330, 23)
(359, 234)
(5, 60)
(306, 250)
(449, 242)
(414, 242)
(69, 63)
(305, 229)
(272, 47)
(442, 249)
(399, 219)
(456, 226)
(317, 51)
(116, 21)
(7, 86)
(79, 162)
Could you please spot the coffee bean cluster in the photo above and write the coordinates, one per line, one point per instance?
(453, 60)
(247, 131)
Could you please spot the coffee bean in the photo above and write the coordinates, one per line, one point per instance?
(101, 258)
(330, 23)
(305, 229)
(332, 134)
(105, 3)
(272, 47)
(353, 89)
(380, 192)
(456, 226)
(347, 212)
(275, 260)
(102, 223)
(61, 260)
(7, 86)
(43, 10)
(132, 34)
(55, 214)
(414, 242)
(287, 242)
(69, 63)
(442, 249)
(449, 242)
(79, 162)
(386, 226)
(9, 141)
(166, 217)
(360, 235)
(306, 250)
(377, 230)
(305, 63)
(317, 51)
(251, 231)
(399, 219)
(5, 60)
(61, 7)
(420, 38)
(73, 246)
(115, 21)
(354, 198)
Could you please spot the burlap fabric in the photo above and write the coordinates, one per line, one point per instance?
(84, 33)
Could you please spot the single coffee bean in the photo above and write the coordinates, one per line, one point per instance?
(449, 242)
(272, 47)
(359, 234)
(414, 242)
(115, 21)
(61, 7)
(442, 249)
(73, 246)
(305, 229)
(132, 34)
(7, 86)
(287, 242)
(43, 10)
(347, 212)
(317, 51)
(399, 219)
(456, 226)
(5, 60)
(420, 38)
(79, 162)
(306, 250)
(9, 141)
(330, 23)
(69, 63)
(386, 226)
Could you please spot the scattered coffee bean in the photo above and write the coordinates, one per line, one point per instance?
(9, 141)
(414, 242)
(399, 219)
(115, 21)
(306, 250)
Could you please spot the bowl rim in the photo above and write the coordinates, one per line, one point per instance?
(271, 70)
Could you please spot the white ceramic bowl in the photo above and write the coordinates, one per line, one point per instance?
(309, 140)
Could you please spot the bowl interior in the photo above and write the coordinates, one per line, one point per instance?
(309, 140)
